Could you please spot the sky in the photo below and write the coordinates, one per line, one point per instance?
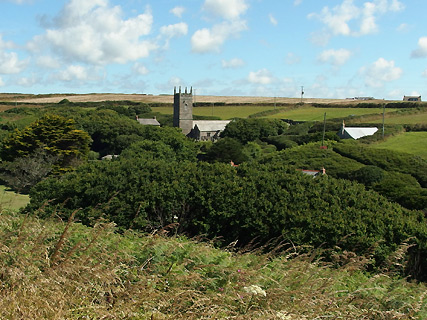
(331, 48)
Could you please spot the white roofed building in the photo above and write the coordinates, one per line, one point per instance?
(356, 132)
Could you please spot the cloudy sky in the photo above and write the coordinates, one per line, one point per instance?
(334, 48)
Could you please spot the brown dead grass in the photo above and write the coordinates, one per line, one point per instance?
(55, 98)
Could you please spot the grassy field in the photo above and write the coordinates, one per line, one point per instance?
(414, 118)
(11, 200)
(305, 113)
(223, 112)
(56, 270)
(409, 142)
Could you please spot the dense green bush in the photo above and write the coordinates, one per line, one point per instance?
(386, 159)
(254, 202)
(246, 130)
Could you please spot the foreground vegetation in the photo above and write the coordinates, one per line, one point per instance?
(56, 270)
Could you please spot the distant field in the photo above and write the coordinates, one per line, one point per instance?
(11, 200)
(305, 113)
(409, 142)
(223, 112)
(401, 119)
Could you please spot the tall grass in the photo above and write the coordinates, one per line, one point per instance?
(62, 270)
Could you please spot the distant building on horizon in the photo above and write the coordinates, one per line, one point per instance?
(412, 98)
(201, 130)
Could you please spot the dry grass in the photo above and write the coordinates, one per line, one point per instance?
(168, 98)
(57, 270)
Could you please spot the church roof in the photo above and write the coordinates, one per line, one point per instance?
(210, 125)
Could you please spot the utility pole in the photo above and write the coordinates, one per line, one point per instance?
(383, 118)
(302, 93)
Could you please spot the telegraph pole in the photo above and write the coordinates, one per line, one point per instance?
(383, 118)
(302, 93)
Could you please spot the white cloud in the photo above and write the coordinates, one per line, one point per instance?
(272, 19)
(211, 40)
(10, 63)
(232, 64)
(27, 82)
(2, 84)
(404, 27)
(262, 76)
(226, 9)
(335, 57)
(141, 69)
(174, 30)
(95, 33)
(297, 2)
(379, 72)
(5, 45)
(73, 72)
(48, 62)
(178, 11)
(340, 20)
(421, 51)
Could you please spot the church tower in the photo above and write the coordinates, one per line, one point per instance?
(183, 110)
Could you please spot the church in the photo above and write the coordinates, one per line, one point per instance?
(201, 130)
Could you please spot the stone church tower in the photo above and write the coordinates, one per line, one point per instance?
(183, 110)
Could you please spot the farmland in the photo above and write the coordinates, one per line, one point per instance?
(409, 142)
(303, 113)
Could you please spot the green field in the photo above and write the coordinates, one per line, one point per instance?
(307, 113)
(403, 119)
(11, 200)
(224, 112)
(409, 142)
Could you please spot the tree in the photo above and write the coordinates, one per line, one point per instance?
(226, 150)
(51, 144)
(246, 130)
(23, 173)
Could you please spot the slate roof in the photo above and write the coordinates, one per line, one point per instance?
(149, 122)
(210, 125)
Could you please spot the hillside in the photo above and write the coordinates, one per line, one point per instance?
(166, 98)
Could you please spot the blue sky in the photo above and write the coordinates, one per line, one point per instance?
(334, 48)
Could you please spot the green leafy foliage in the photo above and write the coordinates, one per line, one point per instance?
(253, 202)
(226, 150)
(246, 130)
(56, 135)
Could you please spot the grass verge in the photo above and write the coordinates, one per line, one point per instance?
(12, 201)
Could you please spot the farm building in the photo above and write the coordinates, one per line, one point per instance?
(356, 132)
(148, 122)
(412, 98)
(183, 118)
